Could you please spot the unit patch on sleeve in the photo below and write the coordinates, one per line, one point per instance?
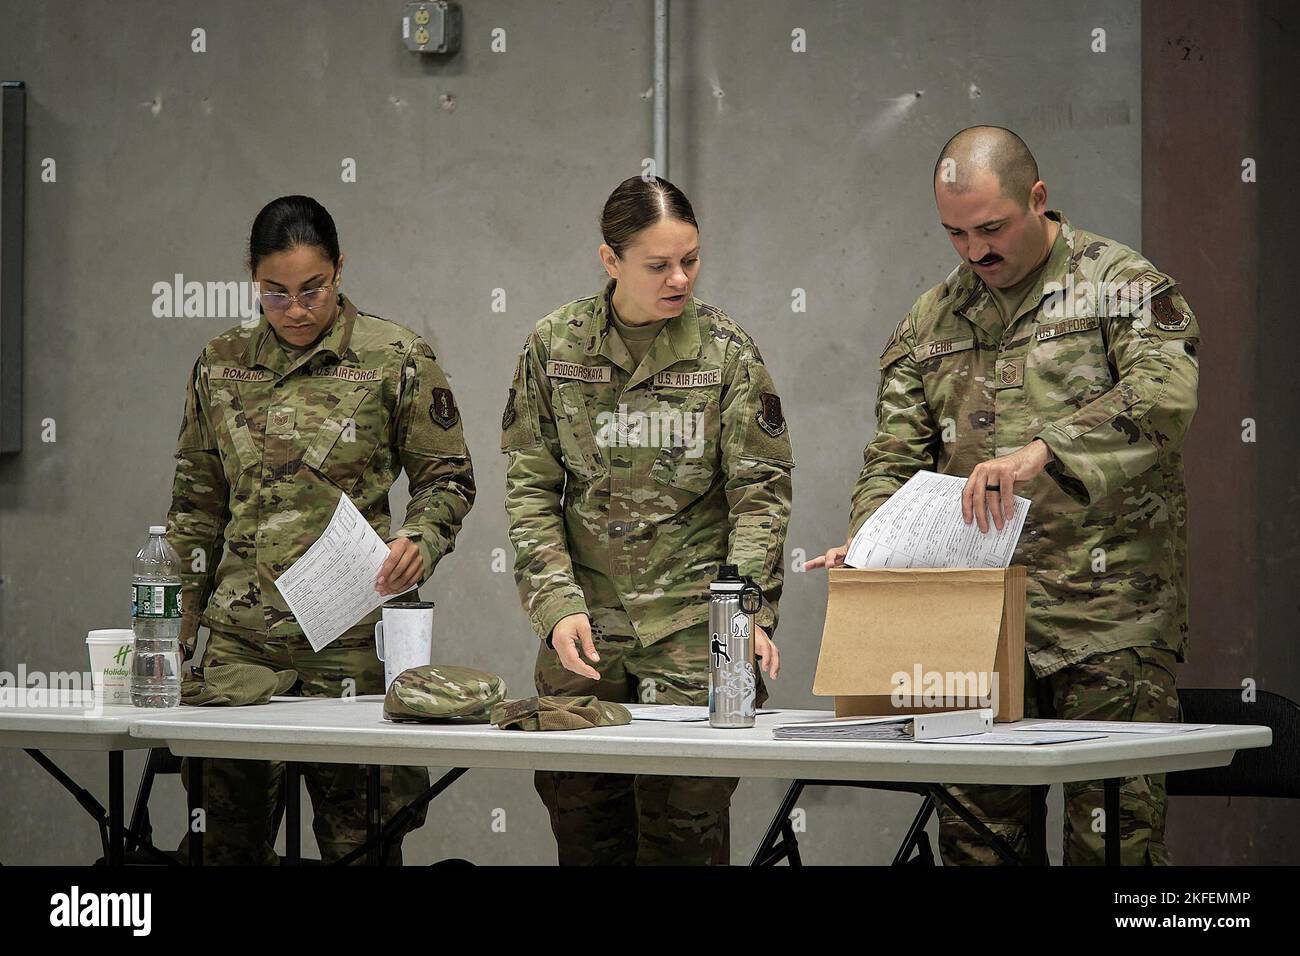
(443, 408)
(770, 418)
(508, 416)
(1168, 316)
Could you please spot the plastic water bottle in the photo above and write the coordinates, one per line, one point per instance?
(156, 620)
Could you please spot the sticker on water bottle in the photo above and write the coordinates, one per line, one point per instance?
(156, 600)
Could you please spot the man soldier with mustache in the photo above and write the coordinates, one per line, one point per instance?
(1060, 365)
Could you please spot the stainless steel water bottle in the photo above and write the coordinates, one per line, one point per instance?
(733, 602)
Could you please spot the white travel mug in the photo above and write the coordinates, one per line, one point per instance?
(404, 638)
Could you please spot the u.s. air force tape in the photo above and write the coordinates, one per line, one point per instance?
(703, 378)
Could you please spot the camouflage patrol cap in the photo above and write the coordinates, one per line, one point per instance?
(559, 713)
(442, 692)
(234, 685)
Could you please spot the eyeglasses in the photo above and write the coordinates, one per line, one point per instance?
(311, 299)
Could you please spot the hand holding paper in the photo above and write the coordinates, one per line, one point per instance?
(921, 525)
(332, 586)
(988, 493)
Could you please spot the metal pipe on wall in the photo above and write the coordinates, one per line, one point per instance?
(661, 89)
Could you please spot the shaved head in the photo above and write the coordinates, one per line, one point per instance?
(981, 150)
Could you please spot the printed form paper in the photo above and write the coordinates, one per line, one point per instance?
(332, 586)
(1009, 739)
(1111, 727)
(676, 713)
(921, 526)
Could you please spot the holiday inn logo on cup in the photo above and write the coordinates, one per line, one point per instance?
(111, 652)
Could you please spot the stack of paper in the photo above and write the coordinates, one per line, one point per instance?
(1107, 727)
(1006, 739)
(676, 713)
(921, 526)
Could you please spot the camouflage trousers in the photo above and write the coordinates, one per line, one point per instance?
(1132, 684)
(605, 819)
(243, 800)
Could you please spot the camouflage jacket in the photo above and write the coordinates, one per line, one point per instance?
(1101, 365)
(630, 485)
(267, 445)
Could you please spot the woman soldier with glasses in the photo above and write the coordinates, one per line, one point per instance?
(315, 401)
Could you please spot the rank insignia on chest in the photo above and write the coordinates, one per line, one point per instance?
(1009, 374)
(1167, 315)
(770, 418)
(508, 417)
(281, 420)
(443, 408)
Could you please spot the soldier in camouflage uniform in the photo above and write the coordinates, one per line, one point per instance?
(315, 401)
(1071, 382)
(637, 465)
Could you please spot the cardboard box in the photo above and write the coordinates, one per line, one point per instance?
(914, 640)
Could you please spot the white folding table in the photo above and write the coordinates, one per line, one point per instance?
(342, 730)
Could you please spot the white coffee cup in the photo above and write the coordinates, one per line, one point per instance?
(404, 638)
(111, 650)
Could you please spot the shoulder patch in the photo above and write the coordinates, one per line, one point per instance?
(443, 409)
(770, 417)
(1168, 317)
(509, 415)
(1136, 292)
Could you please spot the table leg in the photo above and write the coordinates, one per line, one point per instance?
(194, 839)
(293, 814)
(999, 846)
(1112, 820)
(915, 832)
(399, 822)
(1038, 826)
(82, 795)
(374, 856)
(776, 828)
(116, 834)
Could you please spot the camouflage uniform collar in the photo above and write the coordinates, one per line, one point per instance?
(975, 302)
(1060, 260)
(264, 350)
(679, 339)
(602, 338)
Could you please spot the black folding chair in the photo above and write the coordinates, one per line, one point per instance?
(1258, 772)
(139, 849)
(780, 842)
